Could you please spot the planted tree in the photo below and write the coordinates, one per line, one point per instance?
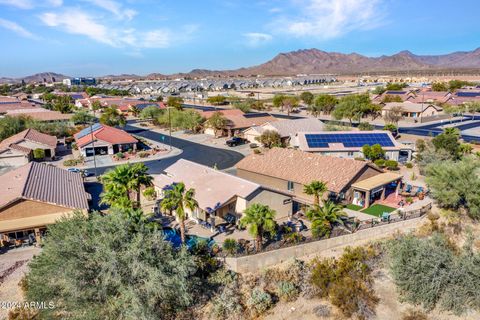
(38, 154)
(217, 121)
(177, 198)
(307, 97)
(112, 117)
(82, 117)
(270, 139)
(90, 268)
(217, 100)
(325, 103)
(394, 115)
(175, 102)
(374, 152)
(259, 219)
(325, 218)
(315, 189)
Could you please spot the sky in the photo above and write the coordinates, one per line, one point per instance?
(100, 37)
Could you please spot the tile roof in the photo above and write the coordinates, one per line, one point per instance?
(105, 133)
(44, 183)
(212, 187)
(18, 105)
(40, 114)
(409, 106)
(29, 135)
(290, 127)
(338, 146)
(302, 167)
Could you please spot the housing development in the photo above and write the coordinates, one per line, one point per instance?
(317, 185)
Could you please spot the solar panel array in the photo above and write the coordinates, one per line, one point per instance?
(468, 94)
(89, 130)
(349, 140)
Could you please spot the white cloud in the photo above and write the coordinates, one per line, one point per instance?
(114, 7)
(254, 39)
(76, 21)
(326, 19)
(18, 29)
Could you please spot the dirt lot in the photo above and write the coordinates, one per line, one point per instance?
(13, 266)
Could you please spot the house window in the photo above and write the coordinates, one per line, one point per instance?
(290, 185)
(350, 153)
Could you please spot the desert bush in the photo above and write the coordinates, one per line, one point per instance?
(230, 246)
(259, 301)
(257, 151)
(149, 193)
(22, 313)
(433, 271)
(413, 314)
(227, 304)
(287, 291)
(119, 155)
(346, 281)
(365, 126)
(70, 163)
(143, 154)
(409, 165)
(322, 311)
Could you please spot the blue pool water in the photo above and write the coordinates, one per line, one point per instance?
(173, 236)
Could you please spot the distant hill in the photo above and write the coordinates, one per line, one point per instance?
(311, 61)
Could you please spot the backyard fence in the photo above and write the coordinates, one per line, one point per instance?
(280, 251)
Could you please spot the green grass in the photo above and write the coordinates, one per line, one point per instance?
(354, 207)
(377, 210)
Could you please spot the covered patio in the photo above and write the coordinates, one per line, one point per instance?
(378, 187)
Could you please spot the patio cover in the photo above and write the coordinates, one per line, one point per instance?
(377, 181)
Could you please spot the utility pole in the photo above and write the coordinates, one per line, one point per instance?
(170, 128)
(93, 147)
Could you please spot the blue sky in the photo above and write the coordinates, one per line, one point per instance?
(99, 37)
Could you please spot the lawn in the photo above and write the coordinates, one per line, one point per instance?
(354, 207)
(377, 210)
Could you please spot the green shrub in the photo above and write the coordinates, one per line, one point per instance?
(70, 162)
(359, 159)
(74, 146)
(391, 164)
(119, 155)
(143, 154)
(287, 291)
(259, 302)
(380, 163)
(150, 193)
(257, 151)
(365, 126)
(409, 165)
(409, 200)
(230, 246)
(433, 272)
(38, 154)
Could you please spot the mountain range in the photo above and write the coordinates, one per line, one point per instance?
(313, 61)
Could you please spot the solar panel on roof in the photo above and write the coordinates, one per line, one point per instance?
(89, 130)
(468, 94)
(256, 115)
(349, 140)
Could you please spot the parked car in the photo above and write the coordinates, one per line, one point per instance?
(87, 173)
(253, 145)
(74, 170)
(235, 141)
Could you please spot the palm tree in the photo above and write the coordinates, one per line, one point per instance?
(135, 111)
(260, 219)
(325, 218)
(139, 178)
(112, 117)
(120, 183)
(217, 121)
(177, 198)
(315, 189)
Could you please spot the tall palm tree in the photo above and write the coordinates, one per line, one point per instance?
(217, 121)
(120, 183)
(260, 219)
(135, 111)
(139, 178)
(178, 198)
(315, 189)
(325, 218)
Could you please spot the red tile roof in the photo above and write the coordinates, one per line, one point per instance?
(108, 134)
(29, 135)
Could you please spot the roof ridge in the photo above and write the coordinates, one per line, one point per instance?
(27, 178)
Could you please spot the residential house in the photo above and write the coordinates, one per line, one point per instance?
(349, 144)
(37, 195)
(287, 129)
(40, 114)
(237, 121)
(100, 139)
(289, 170)
(18, 149)
(412, 110)
(221, 197)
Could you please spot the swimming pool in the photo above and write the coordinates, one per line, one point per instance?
(191, 241)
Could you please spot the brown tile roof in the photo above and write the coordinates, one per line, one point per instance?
(40, 114)
(105, 133)
(302, 167)
(29, 135)
(18, 105)
(44, 183)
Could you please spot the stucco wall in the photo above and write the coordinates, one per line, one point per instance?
(257, 262)
(275, 201)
